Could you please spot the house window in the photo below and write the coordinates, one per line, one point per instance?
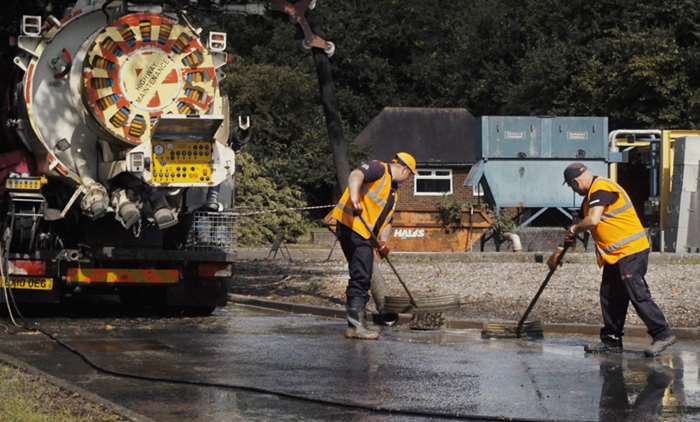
(433, 182)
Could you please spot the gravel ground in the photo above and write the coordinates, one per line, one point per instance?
(492, 286)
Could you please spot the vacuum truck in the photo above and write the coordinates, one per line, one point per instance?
(116, 168)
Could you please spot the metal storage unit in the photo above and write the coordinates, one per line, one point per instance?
(580, 137)
(534, 183)
(523, 158)
(525, 137)
(511, 137)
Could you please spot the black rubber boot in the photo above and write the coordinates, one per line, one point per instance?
(607, 344)
(355, 310)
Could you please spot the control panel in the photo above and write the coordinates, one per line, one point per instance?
(24, 183)
(182, 162)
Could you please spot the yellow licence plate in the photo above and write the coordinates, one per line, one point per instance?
(28, 283)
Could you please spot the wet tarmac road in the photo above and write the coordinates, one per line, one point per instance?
(445, 372)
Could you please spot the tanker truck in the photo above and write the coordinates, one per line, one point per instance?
(117, 175)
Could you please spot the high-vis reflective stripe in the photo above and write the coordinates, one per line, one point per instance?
(628, 202)
(373, 193)
(374, 197)
(617, 245)
(348, 210)
(613, 213)
(619, 232)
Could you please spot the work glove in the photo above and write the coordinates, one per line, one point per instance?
(383, 249)
(554, 258)
(570, 241)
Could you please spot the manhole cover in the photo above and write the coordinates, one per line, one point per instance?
(428, 314)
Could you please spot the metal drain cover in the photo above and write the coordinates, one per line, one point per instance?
(429, 312)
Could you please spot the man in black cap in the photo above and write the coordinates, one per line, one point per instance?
(622, 249)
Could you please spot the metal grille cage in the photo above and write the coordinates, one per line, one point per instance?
(212, 231)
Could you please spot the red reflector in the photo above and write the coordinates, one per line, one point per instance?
(25, 267)
(214, 269)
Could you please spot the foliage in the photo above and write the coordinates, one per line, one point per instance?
(450, 213)
(501, 224)
(288, 127)
(256, 191)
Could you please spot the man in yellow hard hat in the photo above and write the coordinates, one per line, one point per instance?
(366, 208)
(622, 249)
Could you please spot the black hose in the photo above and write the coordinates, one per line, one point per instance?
(260, 390)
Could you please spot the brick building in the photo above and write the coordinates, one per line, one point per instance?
(446, 142)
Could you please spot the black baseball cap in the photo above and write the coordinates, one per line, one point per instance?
(573, 171)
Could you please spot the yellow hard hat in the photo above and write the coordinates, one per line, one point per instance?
(407, 160)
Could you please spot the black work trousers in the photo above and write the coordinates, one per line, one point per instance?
(359, 253)
(623, 283)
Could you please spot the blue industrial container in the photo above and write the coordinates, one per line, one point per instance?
(526, 137)
(511, 137)
(580, 137)
(524, 157)
(534, 183)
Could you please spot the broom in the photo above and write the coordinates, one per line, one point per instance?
(532, 328)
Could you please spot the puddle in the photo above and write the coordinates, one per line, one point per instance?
(433, 337)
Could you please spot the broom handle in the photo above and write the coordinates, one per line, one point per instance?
(519, 327)
(375, 241)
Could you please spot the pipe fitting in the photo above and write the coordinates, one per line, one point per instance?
(514, 240)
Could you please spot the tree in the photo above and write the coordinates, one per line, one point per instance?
(255, 192)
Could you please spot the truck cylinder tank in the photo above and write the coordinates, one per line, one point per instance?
(126, 106)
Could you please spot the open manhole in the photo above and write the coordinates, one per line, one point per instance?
(429, 312)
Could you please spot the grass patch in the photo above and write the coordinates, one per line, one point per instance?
(28, 398)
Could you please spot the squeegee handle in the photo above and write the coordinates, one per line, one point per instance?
(375, 244)
(396, 273)
(519, 327)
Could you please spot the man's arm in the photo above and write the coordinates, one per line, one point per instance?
(366, 173)
(588, 222)
(355, 180)
(383, 249)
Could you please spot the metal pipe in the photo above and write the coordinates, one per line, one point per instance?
(612, 136)
(612, 143)
(654, 171)
(662, 245)
(515, 241)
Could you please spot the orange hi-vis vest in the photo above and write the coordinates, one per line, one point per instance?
(374, 197)
(619, 232)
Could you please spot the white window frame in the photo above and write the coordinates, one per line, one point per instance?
(432, 176)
